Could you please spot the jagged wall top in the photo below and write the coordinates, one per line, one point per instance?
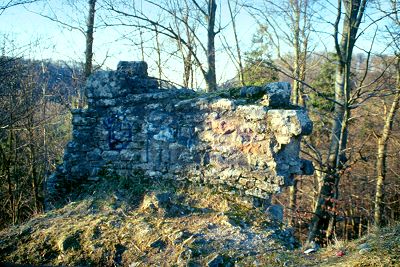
(245, 141)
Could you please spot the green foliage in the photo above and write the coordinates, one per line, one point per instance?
(325, 84)
(258, 69)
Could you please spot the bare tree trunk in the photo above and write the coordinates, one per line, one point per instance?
(34, 173)
(299, 73)
(323, 221)
(32, 155)
(186, 56)
(296, 96)
(9, 179)
(45, 144)
(239, 54)
(89, 38)
(89, 49)
(158, 49)
(346, 234)
(292, 203)
(211, 78)
(382, 153)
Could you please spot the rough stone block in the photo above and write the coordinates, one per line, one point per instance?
(223, 104)
(252, 112)
(127, 155)
(252, 92)
(132, 68)
(277, 95)
(166, 134)
(246, 149)
(95, 154)
(110, 155)
(288, 123)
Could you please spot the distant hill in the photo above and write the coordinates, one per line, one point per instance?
(58, 80)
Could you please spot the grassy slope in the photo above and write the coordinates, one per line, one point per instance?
(384, 251)
(111, 224)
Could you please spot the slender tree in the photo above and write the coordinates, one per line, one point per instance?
(210, 13)
(383, 139)
(89, 38)
(382, 151)
(185, 50)
(235, 56)
(323, 220)
(206, 13)
(293, 28)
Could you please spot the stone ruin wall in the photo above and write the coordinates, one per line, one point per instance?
(247, 143)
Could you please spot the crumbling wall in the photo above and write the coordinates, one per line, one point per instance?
(245, 140)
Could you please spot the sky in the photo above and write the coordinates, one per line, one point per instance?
(54, 41)
(44, 39)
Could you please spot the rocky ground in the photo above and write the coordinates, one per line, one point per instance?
(120, 223)
(116, 223)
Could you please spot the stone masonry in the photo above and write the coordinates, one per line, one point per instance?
(245, 141)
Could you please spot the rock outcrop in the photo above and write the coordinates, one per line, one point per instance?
(245, 141)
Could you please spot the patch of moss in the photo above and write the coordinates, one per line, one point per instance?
(70, 242)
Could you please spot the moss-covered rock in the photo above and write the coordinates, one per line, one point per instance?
(70, 242)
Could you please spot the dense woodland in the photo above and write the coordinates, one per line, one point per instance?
(352, 97)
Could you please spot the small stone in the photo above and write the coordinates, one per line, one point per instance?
(310, 250)
(95, 154)
(223, 104)
(364, 245)
(216, 261)
(181, 236)
(364, 251)
(185, 256)
(364, 248)
(156, 201)
(252, 112)
(166, 135)
(70, 242)
(313, 247)
(276, 212)
(159, 243)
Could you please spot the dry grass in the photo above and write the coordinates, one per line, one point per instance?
(111, 224)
